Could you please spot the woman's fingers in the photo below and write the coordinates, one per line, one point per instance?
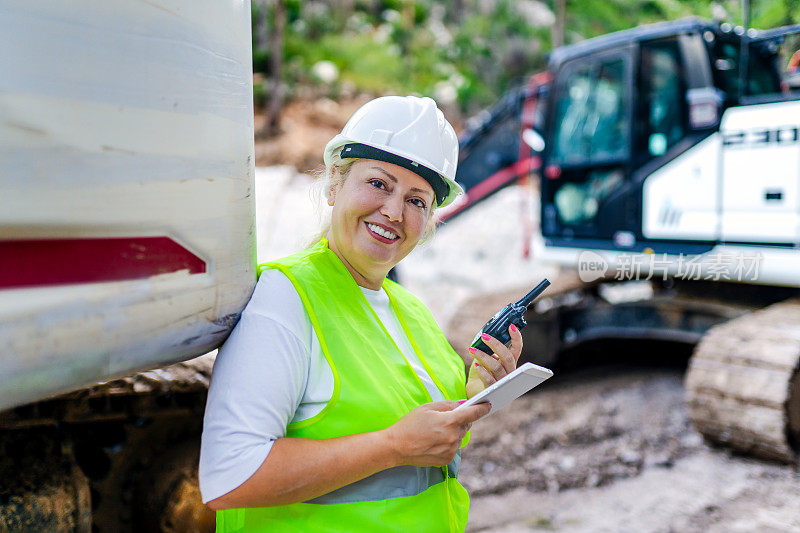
(431, 434)
(502, 352)
(466, 416)
(483, 374)
(494, 366)
(503, 361)
(516, 342)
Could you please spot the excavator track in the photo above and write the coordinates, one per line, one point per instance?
(742, 385)
(120, 455)
(177, 387)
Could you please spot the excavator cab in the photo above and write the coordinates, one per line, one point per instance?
(626, 106)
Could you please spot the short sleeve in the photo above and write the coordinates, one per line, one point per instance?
(258, 381)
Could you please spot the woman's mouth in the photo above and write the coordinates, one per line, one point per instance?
(381, 234)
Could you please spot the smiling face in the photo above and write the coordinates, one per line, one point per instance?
(380, 213)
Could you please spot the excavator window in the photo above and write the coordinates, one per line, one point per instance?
(763, 75)
(662, 108)
(591, 122)
(590, 125)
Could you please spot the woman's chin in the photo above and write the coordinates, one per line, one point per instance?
(378, 251)
(377, 262)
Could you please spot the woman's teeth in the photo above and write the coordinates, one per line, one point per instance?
(382, 232)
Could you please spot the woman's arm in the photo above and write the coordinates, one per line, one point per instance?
(298, 470)
(301, 469)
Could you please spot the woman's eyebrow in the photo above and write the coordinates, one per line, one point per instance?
(395, 179)
(386, 173)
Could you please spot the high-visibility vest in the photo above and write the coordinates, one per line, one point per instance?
(374, 386)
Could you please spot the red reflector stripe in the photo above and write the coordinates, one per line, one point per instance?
(35, 263)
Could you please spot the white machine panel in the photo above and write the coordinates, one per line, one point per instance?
(761, 169)
(681, 198)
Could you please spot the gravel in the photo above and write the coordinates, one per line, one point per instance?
(585, 430)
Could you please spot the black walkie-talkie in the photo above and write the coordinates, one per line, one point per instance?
(513, 313)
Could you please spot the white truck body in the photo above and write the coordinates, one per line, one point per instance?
(126, 187)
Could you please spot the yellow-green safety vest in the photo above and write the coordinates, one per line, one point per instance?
(374, 386)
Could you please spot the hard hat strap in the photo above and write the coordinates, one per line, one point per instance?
(364, 151)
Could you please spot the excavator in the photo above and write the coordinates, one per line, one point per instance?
(668, 160)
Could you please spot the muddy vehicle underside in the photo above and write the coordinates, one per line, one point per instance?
(119, 456)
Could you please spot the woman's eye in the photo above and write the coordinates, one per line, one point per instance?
(417, 202)
(377, 183)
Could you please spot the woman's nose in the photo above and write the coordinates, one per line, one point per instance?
(393, 208)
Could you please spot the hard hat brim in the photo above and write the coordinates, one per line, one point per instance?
(363, 151)
(453, 189)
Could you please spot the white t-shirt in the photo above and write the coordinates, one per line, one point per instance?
(271, 371)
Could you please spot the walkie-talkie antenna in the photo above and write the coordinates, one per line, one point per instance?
(526, 300)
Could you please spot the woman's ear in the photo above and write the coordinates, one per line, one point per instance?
(332, 185)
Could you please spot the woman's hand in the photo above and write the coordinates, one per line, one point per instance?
(431, 434)
(486, 369)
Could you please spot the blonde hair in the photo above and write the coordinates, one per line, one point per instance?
(333, 178)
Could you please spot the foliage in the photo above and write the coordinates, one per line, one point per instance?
(492, 51)
(466, 50)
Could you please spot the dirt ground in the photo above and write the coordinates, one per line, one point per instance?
(611, 449)
(603, 448)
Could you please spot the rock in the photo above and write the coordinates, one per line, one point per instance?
(658, 459)
(691, 440)
(630, 457)
(593, 480)
(567, 463)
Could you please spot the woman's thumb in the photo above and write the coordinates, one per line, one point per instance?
(474, 383)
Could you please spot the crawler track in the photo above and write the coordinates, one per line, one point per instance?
(742, 385)
(120, 455)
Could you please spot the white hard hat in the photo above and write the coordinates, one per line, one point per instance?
(407, 131)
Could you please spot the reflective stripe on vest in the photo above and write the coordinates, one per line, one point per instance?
(395, 482)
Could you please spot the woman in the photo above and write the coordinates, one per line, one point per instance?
(332, 403)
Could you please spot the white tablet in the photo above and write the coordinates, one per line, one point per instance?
(511, 387)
